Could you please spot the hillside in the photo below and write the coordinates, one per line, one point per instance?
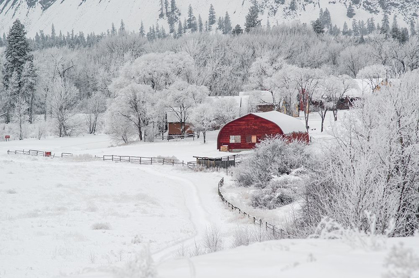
(98, 15)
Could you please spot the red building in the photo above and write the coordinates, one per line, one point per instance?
(243, 133)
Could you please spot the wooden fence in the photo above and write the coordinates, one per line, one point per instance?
(143, 160)
(277, 232)
(31, 152)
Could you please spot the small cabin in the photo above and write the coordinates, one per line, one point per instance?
(245, 132)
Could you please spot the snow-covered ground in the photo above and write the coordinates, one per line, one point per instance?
(81, 217)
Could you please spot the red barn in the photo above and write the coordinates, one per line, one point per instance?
(243, 133)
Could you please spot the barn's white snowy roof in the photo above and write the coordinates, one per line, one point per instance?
(287, 123)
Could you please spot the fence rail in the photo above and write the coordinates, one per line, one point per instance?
(116, 158)
(32, 152)
(277, 232)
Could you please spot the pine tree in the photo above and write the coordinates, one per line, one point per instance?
(345, 30)
(227, 24)
(180, 29)
(200, 24)
(355, 27)
(350, 12)
(404, 35)
(53, 35)
(293, 5)
(211, 17)
(412, 28)
(162, 9)
(17, 55)
(327, 19)
(318, 26)
(395, 31)
(385, 25)
(220, 25)
(237, 30)
(113, 30)
(370, 25)
(166, 7)
(191, 22)
(122, 28)
(185, 26)
(142, 31)
(252, 18)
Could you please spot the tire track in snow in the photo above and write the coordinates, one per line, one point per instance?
(198, 215)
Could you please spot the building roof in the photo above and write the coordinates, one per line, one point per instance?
(287, 123)
(258, 97)
(241, 101)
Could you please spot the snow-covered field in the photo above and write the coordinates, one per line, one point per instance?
(81, 217)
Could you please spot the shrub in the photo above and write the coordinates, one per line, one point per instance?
(101, 226)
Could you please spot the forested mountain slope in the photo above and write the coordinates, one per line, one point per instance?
(98, 15)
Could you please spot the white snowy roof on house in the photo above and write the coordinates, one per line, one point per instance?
(364, 87)
(287, 123)
(242, 103)
(259, 97)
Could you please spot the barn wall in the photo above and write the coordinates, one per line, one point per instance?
(247, 125)
(176, 129)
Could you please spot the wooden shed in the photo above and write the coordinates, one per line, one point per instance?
(243, 133)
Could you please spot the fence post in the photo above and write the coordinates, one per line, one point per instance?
(129, 159)
(140, 159)
(254, 220)
(163, 161)
(151, 161)
(266, 224)
(260, 222)
(112, 157)
(273, 230)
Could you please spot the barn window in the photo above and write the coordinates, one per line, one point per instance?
(235, 139)
(251, 139)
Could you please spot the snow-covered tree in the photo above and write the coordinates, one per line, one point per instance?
(96, 105)
(372, 164)
(134, 103)
(63, 100)
(252, 18)
(203, 118)
(181, 98)
(374, 75)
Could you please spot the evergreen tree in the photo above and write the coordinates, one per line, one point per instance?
(362, 27)
(395, 31)
(200, 24)
(174, 11)
(220, 25)
(212, 19)
(179, 29)
(350, 12)
(142, 31)
(385, 25)
(355, 28)
(345, 30)
(404, 35)
(237, 30)
(17, 55)
(252, 18)
(122, 28)
(166, 7)
(191, 22)
(113, 30)
(371, 25)
(53, 35)
(326, 19)
(318, 26)
(162, 9)
(227, 24)
(293, 5)
(412, 28)
(185, 26)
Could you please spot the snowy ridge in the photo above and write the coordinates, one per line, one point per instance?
(98, 15)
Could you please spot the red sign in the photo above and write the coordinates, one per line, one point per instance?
(47, 154)
(7, 136)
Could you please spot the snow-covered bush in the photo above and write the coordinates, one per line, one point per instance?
(142, 266)
(101, 226)
(401, 262)
(272, 157)
(213, 240)
(247, 235)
